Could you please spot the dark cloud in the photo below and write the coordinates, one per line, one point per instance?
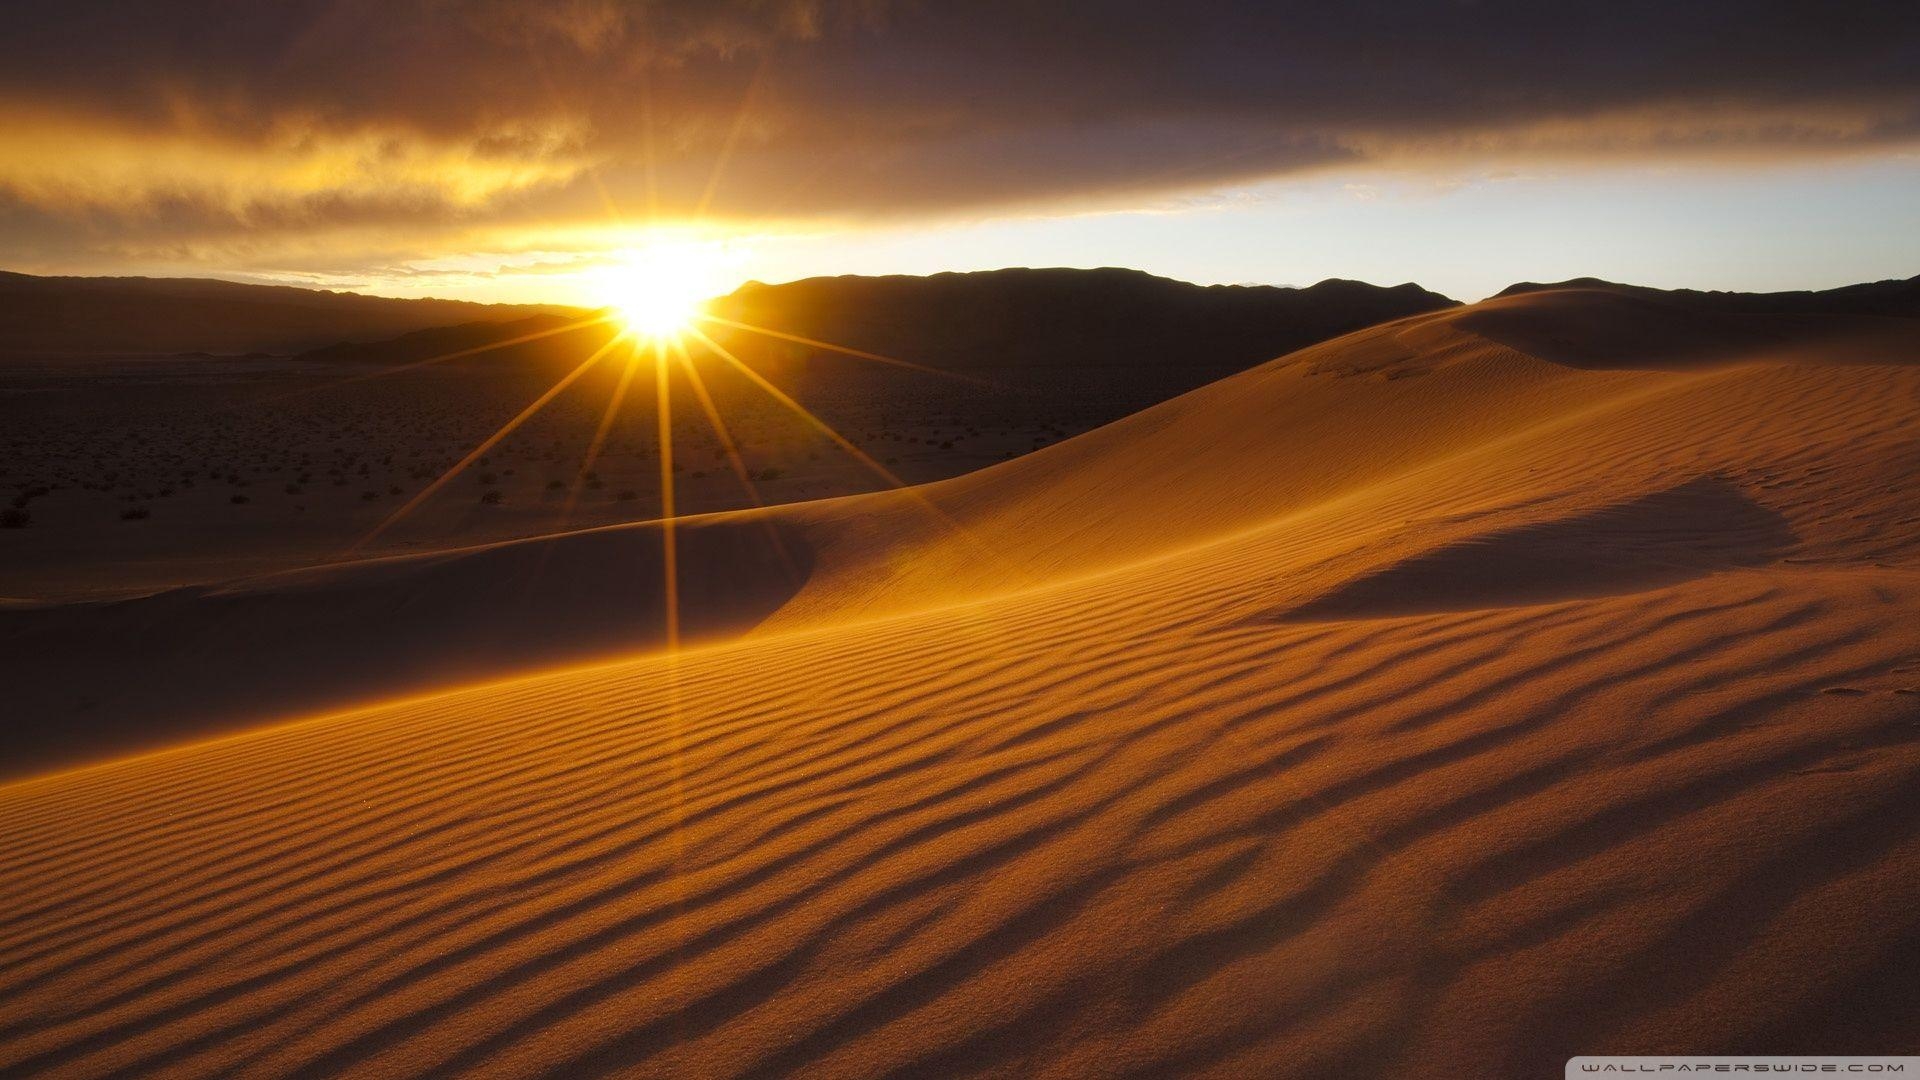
(529, 110)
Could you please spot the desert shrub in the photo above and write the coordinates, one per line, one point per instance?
(135, 513)
(239, 500)
(556, 485)
(369, 496)
(492, 498)
(627, 496)
(14, 518)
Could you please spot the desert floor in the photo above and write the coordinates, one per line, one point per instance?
(144, 473)
(1535, 678)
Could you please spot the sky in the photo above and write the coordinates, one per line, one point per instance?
(522, 149)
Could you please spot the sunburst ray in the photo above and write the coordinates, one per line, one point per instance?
(848, 350)
(663, 411)
(594, 448)
(732, 451)
(921, 501)
(727, 444)
(489, 443)
(725, 154)
(798, 409)
(522, 339)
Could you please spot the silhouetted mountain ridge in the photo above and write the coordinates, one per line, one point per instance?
(1027, 319)
(550, 336)
(1128, 335)
(160, 316)
(1899, 298)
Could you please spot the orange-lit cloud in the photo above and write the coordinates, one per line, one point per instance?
(360, 133)
(86, 165)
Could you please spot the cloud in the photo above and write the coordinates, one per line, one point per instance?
(127, 125)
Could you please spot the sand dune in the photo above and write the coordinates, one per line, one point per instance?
(1412, 705)
(1616, 327)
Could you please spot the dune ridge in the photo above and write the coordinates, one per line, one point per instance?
(1133, 759)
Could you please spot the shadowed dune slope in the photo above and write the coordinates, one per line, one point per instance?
(1683, 532)
(1411, 706)
(128, 673)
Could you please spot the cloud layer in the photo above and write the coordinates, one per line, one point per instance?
(130, 129)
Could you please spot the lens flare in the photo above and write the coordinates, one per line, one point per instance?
(657, 291)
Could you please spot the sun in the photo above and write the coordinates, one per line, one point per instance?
(658, 291)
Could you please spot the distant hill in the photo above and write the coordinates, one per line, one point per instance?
(1033, 320)
(547, 337)
(1128, 337)
(1894, 298)
(76, 315)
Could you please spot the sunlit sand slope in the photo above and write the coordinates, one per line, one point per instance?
(1433, 402)
(1411, 706)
